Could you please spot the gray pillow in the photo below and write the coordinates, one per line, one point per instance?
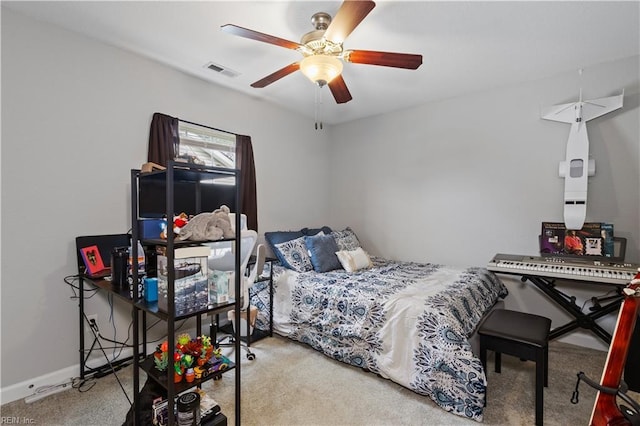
(346, 239)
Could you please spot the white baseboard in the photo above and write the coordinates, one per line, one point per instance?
(66, 375)
(28, 387)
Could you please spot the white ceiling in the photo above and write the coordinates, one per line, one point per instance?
(466, 46)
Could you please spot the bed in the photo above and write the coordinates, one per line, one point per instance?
(408, 322)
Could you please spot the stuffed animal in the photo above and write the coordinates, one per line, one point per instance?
(178, 223)
(223, 221)
(200, 228)
(208, 226)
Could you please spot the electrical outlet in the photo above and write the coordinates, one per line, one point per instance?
(93, 317)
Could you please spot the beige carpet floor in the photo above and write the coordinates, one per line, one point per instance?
(290, 384)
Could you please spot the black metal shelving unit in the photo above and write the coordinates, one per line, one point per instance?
(195, 176)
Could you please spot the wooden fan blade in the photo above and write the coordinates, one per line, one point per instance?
(347, 18)
(255, 35)
(385, 59)
(276, 75)
(339, 90)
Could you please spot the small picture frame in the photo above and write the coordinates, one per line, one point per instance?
(92, 259)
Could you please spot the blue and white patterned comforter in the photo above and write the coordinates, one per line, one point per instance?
(408, 322)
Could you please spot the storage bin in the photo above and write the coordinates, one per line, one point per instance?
(190, 286)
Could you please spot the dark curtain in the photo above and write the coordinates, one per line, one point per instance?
(248, 199)
(163, 139)
(164, 144)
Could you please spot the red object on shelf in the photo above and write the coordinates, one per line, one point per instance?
(92, 259)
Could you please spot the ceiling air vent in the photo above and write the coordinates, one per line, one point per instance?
(222, 70)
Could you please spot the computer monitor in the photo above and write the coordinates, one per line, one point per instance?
(105, 243)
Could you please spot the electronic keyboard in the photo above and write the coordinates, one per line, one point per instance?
(600, 271)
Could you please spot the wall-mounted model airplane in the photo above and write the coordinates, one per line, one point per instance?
(578, 166)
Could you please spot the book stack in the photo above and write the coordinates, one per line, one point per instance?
(191, 289)
(209, 408)
(594, 239)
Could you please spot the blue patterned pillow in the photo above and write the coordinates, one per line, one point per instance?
(322, 249)
(346, 239)
(294, 255)
(279, 237)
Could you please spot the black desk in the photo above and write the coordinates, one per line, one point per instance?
(108, 367)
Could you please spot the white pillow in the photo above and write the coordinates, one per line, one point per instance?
(354, 260)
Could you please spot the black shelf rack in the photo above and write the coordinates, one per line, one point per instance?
(196, 176)
(161, 377)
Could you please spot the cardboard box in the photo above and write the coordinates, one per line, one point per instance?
(219, 282)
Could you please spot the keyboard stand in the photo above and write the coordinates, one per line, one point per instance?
(568, 304)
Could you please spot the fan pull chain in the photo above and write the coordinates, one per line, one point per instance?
(315, 106)
(318, 106)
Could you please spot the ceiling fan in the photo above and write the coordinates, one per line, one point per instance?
(323, 48)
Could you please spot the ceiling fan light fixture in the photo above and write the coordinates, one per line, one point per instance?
(321, 69)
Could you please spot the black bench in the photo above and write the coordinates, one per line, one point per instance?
(519, 334)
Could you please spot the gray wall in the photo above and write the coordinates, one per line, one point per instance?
(75, 121)
(449, 182)
(460, 180)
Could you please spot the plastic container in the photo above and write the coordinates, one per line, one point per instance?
(189, 409)
(141, 259)
(119, 267)
(151, 289)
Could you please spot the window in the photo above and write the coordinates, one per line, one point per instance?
(203, 145)
(575, 168)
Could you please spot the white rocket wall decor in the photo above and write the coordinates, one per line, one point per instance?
(577, 166)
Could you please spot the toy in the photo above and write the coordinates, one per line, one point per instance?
(189, 375)
(198, 372)
(201, 228)
(208, 226)
(223, 221)
(578, 166)
(178, 223)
